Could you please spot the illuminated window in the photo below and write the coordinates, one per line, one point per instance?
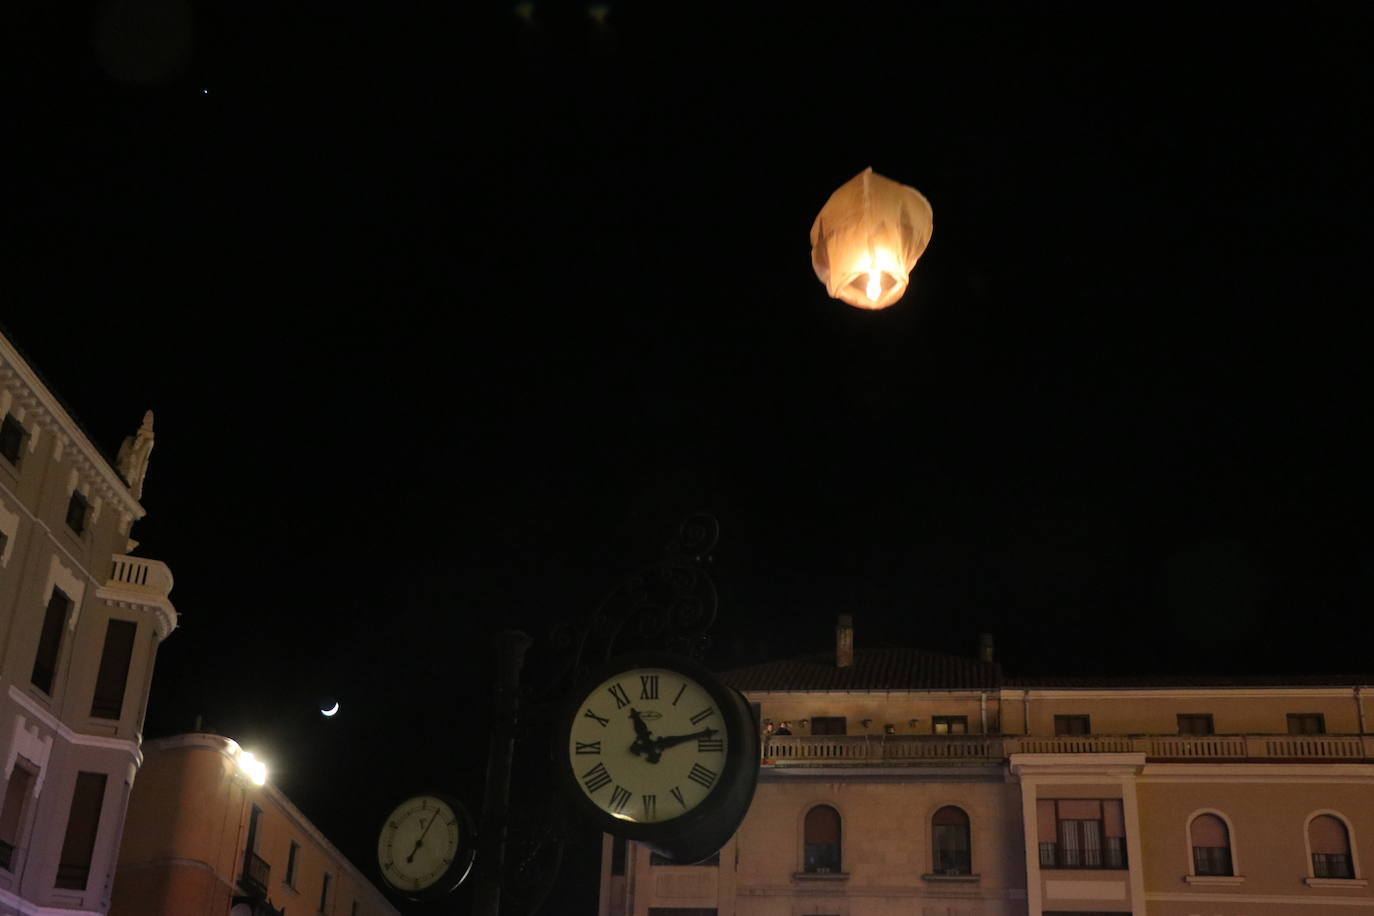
(1194, 723)
(1330, 848)
(950, 842)
(1211, 845)
(1306, 723)
(83, 824)
(1072, 725)
(822, 848)
(1081, 833)
(12, 435)
(50, 640)
(77, 511)
(949, 725)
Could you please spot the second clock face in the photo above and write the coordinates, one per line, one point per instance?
(648, 745)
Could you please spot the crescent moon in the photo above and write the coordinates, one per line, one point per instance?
(329, 712)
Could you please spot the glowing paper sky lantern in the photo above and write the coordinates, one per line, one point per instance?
(867, 238)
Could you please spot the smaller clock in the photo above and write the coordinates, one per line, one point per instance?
(426, 846)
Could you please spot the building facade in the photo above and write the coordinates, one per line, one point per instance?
(204, 837)
(80, 624)
(917, 783)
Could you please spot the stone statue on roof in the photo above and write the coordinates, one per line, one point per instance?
(132, 461)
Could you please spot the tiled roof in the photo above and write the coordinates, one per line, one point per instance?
(873, 669)
(914, 669)
(1189, 680)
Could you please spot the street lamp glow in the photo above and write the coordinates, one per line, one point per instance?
(253, 768)
(868, 237)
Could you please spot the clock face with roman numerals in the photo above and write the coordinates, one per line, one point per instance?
(648, 745)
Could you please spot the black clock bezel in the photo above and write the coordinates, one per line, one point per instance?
(703, 830)
(463, 857)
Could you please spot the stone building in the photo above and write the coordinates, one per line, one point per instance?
(919, 783)
(206, 836)
(81, 620)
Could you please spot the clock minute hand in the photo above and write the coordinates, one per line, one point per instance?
(420, 842)
(668, 741)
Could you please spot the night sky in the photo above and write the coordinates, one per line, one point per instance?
(447, 319)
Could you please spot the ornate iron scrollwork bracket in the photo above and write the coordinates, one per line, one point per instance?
(669, 605)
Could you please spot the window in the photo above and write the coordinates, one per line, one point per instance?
(949, 725)
(291, 856)
(822, 852)
(828, 725)
(113, 674)
(1306, 723)
(1195, 723)
(617, 855)
(1211, 845)
(1330, 848)
(950, 842)
(254, 819)
(74, 867)
(17, 793)
(1072, 725)
(1081, 833)
(324, 891)
(50, 641)
(77, 510)
(12, 435)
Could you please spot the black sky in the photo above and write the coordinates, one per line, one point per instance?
(447, 319)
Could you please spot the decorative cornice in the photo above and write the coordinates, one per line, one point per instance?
(70, 735)
(43, 411)
(164, 615)
(1060, 765)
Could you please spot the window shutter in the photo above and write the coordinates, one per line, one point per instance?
(1208, 830)
(823, 825)
(1045, 819)
(1079, 809)
(1328, 836)
(1113, 819)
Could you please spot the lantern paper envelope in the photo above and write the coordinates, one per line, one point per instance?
(867, 238)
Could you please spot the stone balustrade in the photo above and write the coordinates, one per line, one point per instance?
(841, 750)
(141, 575)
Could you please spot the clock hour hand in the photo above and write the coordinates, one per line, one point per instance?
(668, 741)
(644, 743)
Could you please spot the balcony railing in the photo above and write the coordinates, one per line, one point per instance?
(842, 750)
(256, 873)
(139, 574)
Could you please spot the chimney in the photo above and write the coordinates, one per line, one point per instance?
(985, 648)
(844, 641)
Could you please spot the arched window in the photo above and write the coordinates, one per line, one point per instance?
(950, 841)
(1330, 848)
(1211, 846)
(822, 840)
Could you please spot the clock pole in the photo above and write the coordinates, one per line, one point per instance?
(511, 646)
